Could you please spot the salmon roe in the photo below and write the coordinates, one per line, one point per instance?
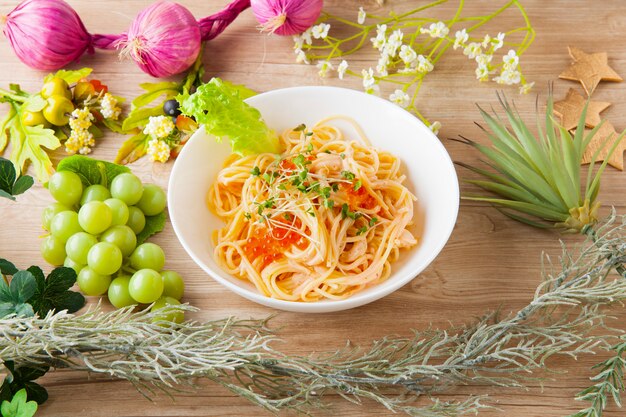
(271, 245)
(359, 198)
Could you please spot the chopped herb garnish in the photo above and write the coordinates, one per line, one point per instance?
(299, 160)
(347, 175)
(329, 203)
(335, 187)
(302, 187)
(315, 187)
(282, 186)
(268, 178)
(255, 171)
(342, 155)
(309, 148)
(373, 221)
(361, 230)
(309, 134)
(299, 128)
(303, 174)
(327, 150)
(325, 192)
(247, 215)
(296, 181)
(287, 216)
(357, 185)
(346, 212)
(311, 212)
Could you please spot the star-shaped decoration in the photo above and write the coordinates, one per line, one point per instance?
(589, 69)
(570, 110)
(606, 136)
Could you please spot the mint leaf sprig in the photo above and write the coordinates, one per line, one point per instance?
(10, 183)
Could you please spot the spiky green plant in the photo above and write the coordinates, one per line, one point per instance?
(537, 178)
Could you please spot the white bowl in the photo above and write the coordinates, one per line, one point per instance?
(427, 165)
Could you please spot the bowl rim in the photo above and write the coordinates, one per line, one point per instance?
(358, 299)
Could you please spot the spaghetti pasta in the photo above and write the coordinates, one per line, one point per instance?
(323, 220)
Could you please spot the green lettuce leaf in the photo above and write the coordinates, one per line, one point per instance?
(220, 107)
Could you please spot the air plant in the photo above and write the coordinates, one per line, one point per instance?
(537, 178)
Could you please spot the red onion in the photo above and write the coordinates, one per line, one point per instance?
(286, 17)
(46, 34)
(164, 39)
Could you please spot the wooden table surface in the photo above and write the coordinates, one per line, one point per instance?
(489, 262)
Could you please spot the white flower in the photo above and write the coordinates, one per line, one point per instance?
(436, 30)
(435, 126)
(341, 69)
(109, 108)
(159, 127)
(361, 16)
(423, 64)
(401, 98)
(407, 54)
(306, 36)
(158, 150)
(368, 79)
(484, 59)
(510, 60)
(320, 31)
(525, 88)
(324, 67)
(482, 73)
(392, 44)
(498, 41)
(460, 37)
(301, 57)
(486, 41)
(298, 42)
(79, 141)
(381, 37)
(472, 50)
(381, 68)
(508, 77)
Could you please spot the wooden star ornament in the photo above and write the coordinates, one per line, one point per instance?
(589, 69)
(605, 137)
(570, 109)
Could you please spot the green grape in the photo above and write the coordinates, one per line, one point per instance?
(119, 210)
(92, 283)
(152, 200)
(104, 258)
(49, 212)
(65, 187)
(95, 217)
(53, 250)
(148, 255)
(69, 263)
(78, 245)
(136, 219)
(118, 292)
(121, 236)
(127, 187)
(146, 286)
(65, 224)
(95, 192)
(170, 316)
(173, 285)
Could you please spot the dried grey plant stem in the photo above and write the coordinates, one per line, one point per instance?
(563, 318)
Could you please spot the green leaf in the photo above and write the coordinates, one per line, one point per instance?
(138, 118)
(113, 126)
(22, 378)
(70, 76)
(92, 171)
(223, 112)
(9, 187)
(154, 224)
(35, 103)
(169, 89)
(18, 407)
(132, 149)
(7, 268)
(52, 293)
(22, 184)
(27, 146)
(7, 175)
(22, 286)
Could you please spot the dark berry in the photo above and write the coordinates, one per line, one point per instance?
(171, 108)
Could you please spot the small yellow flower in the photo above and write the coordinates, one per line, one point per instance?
(159, 127)
(158, 150)
(109, 107)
